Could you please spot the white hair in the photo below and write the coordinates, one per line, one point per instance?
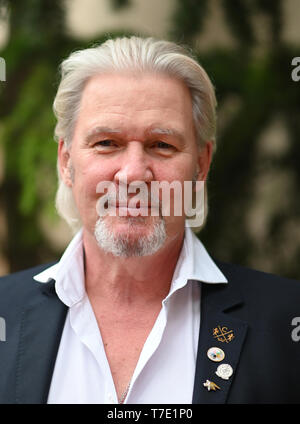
(123, 54)
(120, 245)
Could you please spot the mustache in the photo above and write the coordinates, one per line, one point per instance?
(125, 199)
(132, 201)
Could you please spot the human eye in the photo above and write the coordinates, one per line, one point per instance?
(106, 144)
(163, 145)
(163, 148)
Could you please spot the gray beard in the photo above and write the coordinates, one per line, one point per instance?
(122, 245)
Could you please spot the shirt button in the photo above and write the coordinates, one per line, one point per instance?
(110, 398)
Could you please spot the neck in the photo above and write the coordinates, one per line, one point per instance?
(131, 280)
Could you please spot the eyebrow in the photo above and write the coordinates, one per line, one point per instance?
(166, 131)
(101, 130)
(156, 130)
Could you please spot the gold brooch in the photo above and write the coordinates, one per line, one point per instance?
(222, 334)
(211, 385)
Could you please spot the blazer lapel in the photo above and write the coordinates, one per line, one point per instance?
(216, 301)
(41, 329)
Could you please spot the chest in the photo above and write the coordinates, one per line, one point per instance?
(123, 336)
(170, 350)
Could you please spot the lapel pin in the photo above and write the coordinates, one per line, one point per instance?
(210, 385)
(216, 354)
(222, 334)
(224, 371)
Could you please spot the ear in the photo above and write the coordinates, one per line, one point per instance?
(204, 161)
(63, 156)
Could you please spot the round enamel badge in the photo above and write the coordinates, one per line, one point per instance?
(224, 371)
(216, 354)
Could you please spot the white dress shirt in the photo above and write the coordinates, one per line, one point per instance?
(165, 370)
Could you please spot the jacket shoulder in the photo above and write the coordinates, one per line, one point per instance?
(261, 289)
(19, 284)
(254, 277)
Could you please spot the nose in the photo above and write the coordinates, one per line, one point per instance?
(134, 165)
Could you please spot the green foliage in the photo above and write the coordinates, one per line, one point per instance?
(188, 19)
(273, 9)
(238, 13)
(120, 4)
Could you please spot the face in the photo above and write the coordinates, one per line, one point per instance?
(132, 128)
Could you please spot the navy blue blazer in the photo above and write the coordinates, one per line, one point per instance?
(255, 307)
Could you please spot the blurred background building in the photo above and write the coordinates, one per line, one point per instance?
(246, 46)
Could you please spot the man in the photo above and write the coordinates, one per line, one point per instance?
(136, 311)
